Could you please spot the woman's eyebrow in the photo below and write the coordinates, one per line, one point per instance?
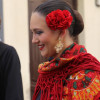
(36, 29)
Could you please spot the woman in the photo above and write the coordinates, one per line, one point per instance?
(70, 73)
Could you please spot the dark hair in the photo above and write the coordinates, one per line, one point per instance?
(51, 5)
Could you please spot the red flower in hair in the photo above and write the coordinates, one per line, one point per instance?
(59, 19)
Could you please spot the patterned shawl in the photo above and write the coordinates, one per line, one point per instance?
(54, 73)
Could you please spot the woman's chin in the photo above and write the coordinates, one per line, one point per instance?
(43, 54)
(48, 54)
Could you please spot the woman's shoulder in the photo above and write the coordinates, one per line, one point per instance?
(85, 61)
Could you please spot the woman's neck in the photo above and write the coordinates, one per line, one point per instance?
(67, 44)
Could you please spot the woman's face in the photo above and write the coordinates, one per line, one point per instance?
(43, 36)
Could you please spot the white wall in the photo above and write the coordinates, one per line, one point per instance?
(15, 14)
(1, 24)
(91, 33)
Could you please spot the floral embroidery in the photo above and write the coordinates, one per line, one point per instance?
(85, 87)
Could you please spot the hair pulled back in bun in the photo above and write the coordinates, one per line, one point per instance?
(79, 24)
(51, 5)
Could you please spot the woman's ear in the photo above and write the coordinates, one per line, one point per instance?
(62, 33)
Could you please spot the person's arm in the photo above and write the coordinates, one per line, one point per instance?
(13, 89)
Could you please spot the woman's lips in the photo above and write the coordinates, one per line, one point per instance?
(41, 46)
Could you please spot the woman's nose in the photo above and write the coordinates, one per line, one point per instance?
(35, 39)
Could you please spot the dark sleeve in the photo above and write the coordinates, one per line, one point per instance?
(12, 81)
(39, 96)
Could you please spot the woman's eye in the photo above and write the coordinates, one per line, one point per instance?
(39, 32)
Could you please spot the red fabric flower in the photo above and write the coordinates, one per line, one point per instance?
(59, 19)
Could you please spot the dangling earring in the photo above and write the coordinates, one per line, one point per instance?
(59, 46)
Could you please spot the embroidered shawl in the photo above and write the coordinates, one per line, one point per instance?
(61, 78)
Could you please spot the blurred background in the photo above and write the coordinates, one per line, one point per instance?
(15, 17)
